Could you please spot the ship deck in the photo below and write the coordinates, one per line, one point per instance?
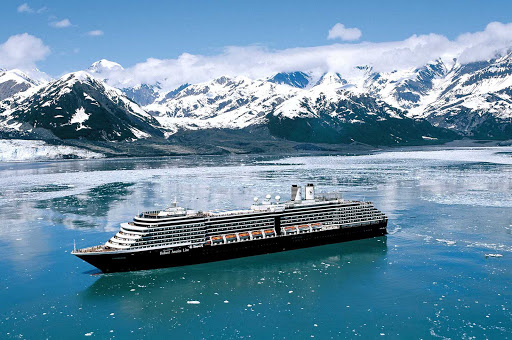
(94, 249)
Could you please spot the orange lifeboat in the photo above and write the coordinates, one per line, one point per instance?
(270, 232)
(316, 226)
(217, 239)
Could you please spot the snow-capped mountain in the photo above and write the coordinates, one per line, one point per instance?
(411, 89)
(472, 99)
(442, 100)
(103, 67)
(296, 79)
(78, 106)
(326, 112)
(477, 100)
(350, 118)
(224, 102)
(13, 82)
(142, 94)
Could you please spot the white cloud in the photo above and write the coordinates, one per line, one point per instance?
(258, 62)
(61, 24)
(339, 31)
(22, 51)
(95, 33)
(25, 8)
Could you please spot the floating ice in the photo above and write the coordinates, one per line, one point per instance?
(193, 302)
(448, 242)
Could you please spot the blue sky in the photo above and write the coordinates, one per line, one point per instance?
(133, 31)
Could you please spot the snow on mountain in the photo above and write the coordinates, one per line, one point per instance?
(295, 79)
(79, 106)
(477, 100)
(221, 103)
(331, 81)
(472, 99)
(349, 118)
(327, 112)
(409, 89)
(449, 95)
(14, 81)
(142, 94)
(104, 66)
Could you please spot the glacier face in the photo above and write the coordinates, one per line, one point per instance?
(33, 150)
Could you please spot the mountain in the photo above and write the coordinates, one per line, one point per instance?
(78, 106)
(440, 101)
(348, 118)
(104, 66)
(143, 94)
(407, 89)
(477, 101)
(324, 113)
(430, 93)
(295, 79)
(225, 102)
(13, 82)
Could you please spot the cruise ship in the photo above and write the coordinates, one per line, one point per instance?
(177, 236)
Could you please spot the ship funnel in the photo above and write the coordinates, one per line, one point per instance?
(310, 191)
(296, 194)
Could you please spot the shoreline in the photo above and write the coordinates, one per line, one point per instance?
(355, 149)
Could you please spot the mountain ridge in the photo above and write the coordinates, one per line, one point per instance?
(437, 102)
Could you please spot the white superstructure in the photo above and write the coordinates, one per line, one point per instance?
(179, 228)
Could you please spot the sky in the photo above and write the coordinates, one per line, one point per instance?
(192, 40)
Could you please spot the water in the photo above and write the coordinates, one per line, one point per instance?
(428, 278)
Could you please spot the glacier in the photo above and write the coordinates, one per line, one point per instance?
(12, 150)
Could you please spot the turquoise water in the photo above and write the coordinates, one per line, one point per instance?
(428, 278)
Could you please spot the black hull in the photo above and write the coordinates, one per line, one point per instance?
(119, 262)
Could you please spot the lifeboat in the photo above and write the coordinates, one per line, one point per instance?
(231, 238)
(270, 232)
(316, 226)
(243, 236)
(256, 234)
(217, 239)
(290, 230)
(304, 227)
